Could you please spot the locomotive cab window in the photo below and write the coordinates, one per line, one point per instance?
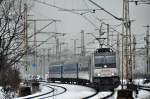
(105, 61)
(110, 59)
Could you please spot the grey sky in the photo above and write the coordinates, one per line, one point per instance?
(73, 23)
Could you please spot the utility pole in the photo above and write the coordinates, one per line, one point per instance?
(134, 55)
(57, 48)
(35, 50)
(147, 50)
(108, 40)
(25, 40)
(100, 33)
(82, 43)
(60, 48)
(134, 51)
(75, 41)
(127, 42)
(40, 61)
(43, 65)
(118, 54)
(122, 59)
(48, 55)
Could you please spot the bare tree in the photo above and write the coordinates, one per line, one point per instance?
(11, 41)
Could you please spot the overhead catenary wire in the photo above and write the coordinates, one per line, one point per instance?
(38, 31)
(68, 10)
(51, 5)
(114, 30)
(120, 19)
(74, 11)
(101, 20)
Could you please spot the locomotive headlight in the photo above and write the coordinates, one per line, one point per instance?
(112, 74)
(105, 66)
(98, 74)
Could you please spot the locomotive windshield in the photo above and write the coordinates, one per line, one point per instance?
(105, 61)
(110, 59)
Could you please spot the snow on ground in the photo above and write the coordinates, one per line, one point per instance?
(101, 95)
(74, 92)
(78, 92)
(143, 95)
(1, 94)
(138, 81)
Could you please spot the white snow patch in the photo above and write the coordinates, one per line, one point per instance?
(1, 93)
(75, 92)
(78, 92)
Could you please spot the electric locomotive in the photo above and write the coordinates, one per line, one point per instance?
(105, 69)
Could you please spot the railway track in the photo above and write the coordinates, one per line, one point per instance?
(58, 90)
(147, 88)
(44, 93)
(48, 94)
(55, 94)
(96, 92)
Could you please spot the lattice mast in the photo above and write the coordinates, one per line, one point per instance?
(25, 40)
(127, 41)
(147, 50)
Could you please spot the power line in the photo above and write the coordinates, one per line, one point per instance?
(60, 8)
(71, 11)
(120, 19)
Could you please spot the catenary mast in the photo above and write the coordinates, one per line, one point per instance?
(127, 41)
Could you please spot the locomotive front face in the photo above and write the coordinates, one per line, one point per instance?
(105, 64)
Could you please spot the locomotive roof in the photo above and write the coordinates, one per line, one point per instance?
(105, 53)
(102, 50)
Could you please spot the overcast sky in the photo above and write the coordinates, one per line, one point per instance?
(72, 24)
